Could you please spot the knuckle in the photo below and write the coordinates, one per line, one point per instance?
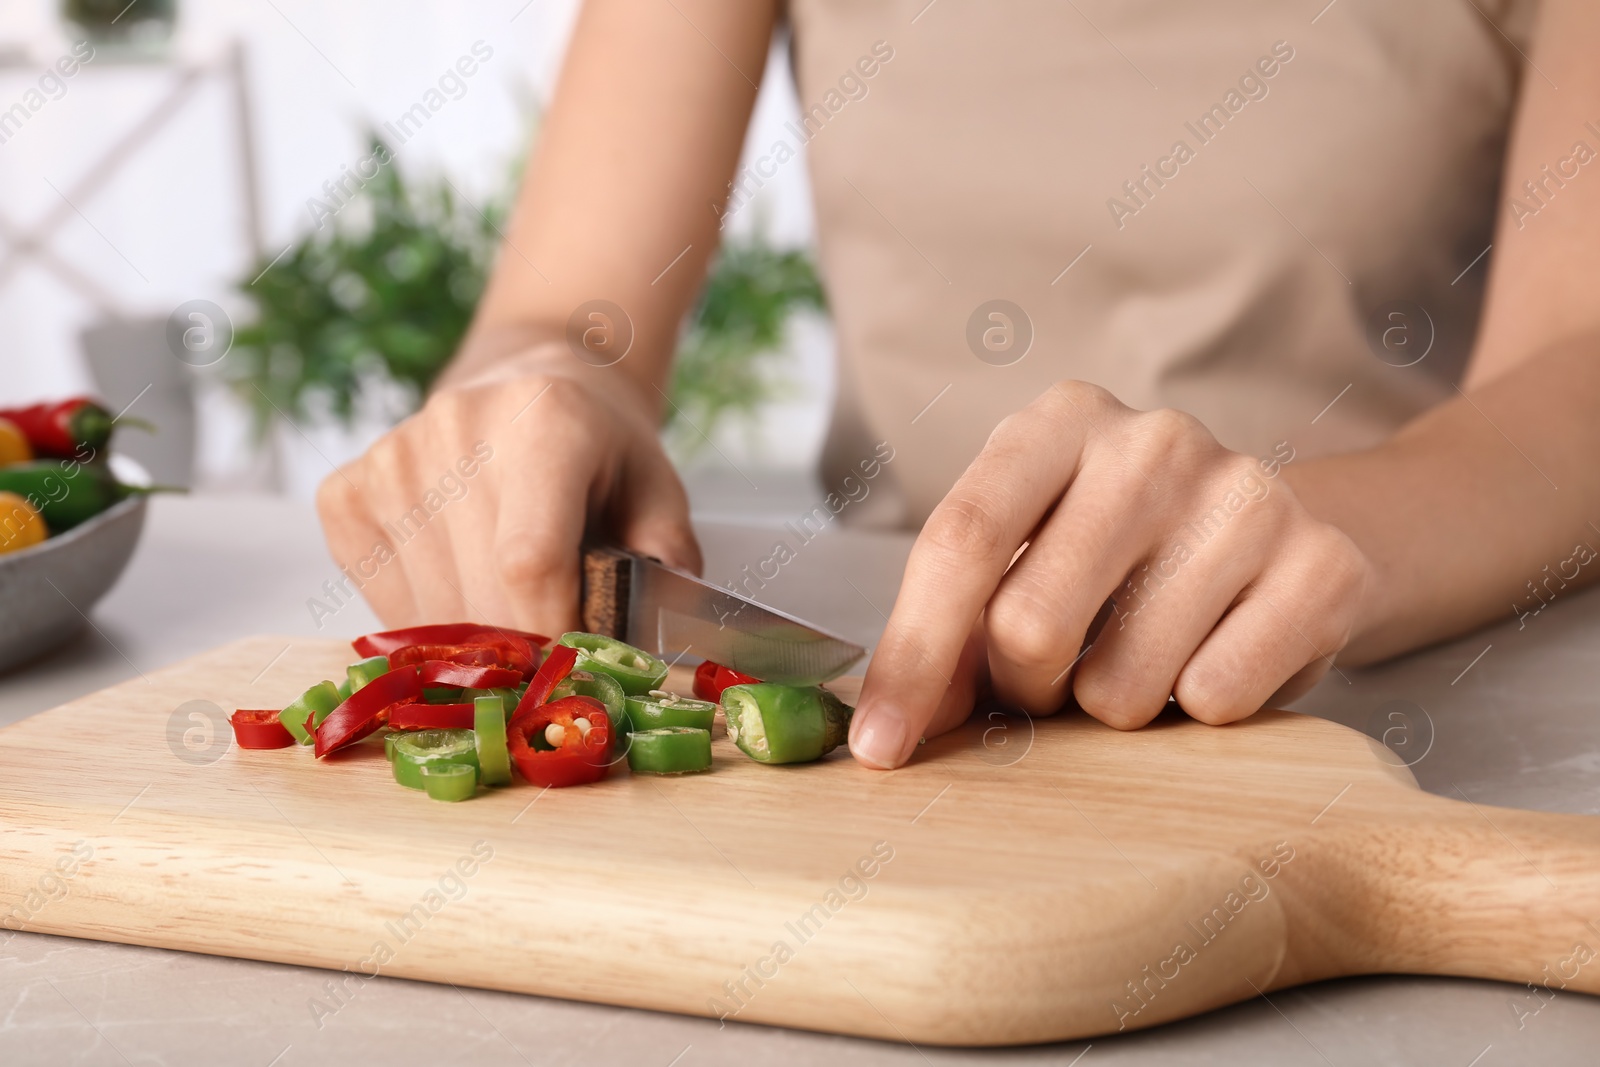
(1240, 471)
(1339, 561)
(335, 498)
(1206, 697)
(966, 525)
(1166, 431)
(450, 417)
(524, 566)
(1027, 632)
(1113, 700)
(1012, 426)
(1327, 584)
(448, 406)
(387, 460)
(1083, 395)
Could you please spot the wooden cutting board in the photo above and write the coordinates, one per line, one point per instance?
(1017, 883)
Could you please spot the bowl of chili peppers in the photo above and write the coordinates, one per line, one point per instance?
(70, 518)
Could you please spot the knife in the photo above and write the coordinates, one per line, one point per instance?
(671, 613)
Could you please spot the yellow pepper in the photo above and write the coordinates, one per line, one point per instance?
(14, 447)
(21, 525)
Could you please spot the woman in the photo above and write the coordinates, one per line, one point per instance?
(1174, 295)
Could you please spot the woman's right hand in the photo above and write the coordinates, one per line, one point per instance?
(555, 443)
(473, 509)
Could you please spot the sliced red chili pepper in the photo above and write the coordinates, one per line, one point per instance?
(466, 655)
(512, 651)
(259, 729)
(492, 650)
(550, 674)
(450, 633)
(582, 756)
(705, 680)
(438, 672)
(432, 717)
(367, 709)
(710, 679)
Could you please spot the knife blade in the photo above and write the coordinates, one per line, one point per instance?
(671, 613)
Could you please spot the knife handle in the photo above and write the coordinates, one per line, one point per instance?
(607, 576)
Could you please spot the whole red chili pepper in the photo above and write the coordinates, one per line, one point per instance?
(65, 429)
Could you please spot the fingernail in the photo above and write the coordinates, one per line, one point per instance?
(878, 738)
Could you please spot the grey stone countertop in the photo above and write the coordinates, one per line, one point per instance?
(1505, 716)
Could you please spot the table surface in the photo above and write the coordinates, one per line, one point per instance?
(1501, 717)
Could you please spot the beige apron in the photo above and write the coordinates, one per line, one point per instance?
(1214, 206)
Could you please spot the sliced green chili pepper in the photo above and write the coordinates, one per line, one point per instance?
(413, 751)
(606, 690)
(489, 734)
(785, 724)
(388, 745)
(442, 695)
(344, 690)
(636, 670)
(661, 709)
(317, 701)
(669, 750)
(449, 781)
(364, 671)
(508, 696)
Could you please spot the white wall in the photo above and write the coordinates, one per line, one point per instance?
(169, 227)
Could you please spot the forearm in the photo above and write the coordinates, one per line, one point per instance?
(617, 217)
(1474, 511)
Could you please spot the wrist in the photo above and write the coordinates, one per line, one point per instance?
(521, 354)
(490, 353)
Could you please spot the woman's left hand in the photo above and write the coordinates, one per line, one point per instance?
(1228, 594)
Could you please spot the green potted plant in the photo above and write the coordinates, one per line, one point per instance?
(116, 23)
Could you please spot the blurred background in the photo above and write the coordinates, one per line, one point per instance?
(198, 163)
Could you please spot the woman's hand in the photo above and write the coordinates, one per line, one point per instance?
(1228, 594)
(473, 509)
(671, 88)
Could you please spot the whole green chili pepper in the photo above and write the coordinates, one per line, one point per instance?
(785, 724)
(636, 670)
(66, 492)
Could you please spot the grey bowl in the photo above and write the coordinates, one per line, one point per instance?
(47, 591)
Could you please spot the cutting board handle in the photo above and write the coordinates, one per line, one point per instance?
(1451, 887)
